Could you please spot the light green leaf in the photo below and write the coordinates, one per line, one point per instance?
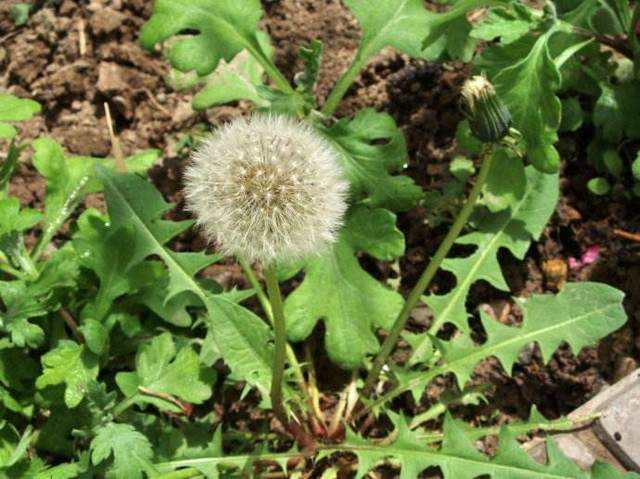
(635, 167)
(599, 186)
(96, 335)
(71, 364)
(368, 164)
(15, 109)
(127, 446)
(160, 368)
(513, 229)
(225, 27)
(581, 314)
(337, 290)
(508, 24)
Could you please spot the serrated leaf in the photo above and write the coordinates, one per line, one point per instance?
(581, 314)
(70, 364)
(506, 181)
(337, 290)
(368, 164)
(13, 221)
(528, 89)
(507, 23)
(457, 458)
(14, 109)
(70, 179)
(240, 336)
(127, 446)
(513, 229)
(25, 300)
(225, 27)
(160, 368)
(605, 17)
(108, 253)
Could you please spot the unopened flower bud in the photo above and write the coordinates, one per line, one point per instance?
(267, 188)
(488, 117)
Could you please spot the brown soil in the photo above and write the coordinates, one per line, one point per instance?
(42, 60)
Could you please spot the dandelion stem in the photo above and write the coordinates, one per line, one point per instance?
(428, 274)
(343, 83)
(280, 332)
(266, 306)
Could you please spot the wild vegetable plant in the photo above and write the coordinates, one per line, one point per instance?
(114, 345)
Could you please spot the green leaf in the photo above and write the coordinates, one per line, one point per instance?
(513, 229)
(160, 368)
(572, 114)
(506, 182)
(605, 17)
(599, 186)
(109, 254)
(70, 179)
(337, 290)
(581, 314)
(617, 111)
(635, 167)
(238, 79)
(368, 162)
(70, 364)
(224, 29)
(508, 24)
(528, 88)
(13, 221)
(96, 336)
(390, 23)
(240, 336)
(26, 300)
(15, 109)
(127, 446)
(458, 458)
(19, 13)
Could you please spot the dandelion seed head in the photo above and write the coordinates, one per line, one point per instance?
(267, 188)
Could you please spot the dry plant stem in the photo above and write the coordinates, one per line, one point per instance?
(428, 274)
(266, 306)
(121, 167)
(71, 323)
(280, 353)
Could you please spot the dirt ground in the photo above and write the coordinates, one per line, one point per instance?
(43, 60)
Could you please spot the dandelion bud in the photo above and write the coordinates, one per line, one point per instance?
(488, 117)
(267, 189)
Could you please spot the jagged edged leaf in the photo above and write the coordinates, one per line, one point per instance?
(528, 88)
(71, 364)
(225, 27)
(241, 337)
(13, 109)
(13, 221)
(397, 23)
(24, 300)
(125, 445)
(457, 457)
(512, 229)
(581, 314)
(369, 164)
(163, 369)
(71, 178)
(507, 23)
(337, 290)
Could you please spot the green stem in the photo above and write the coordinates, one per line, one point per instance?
(123, 405)
(266, 306)
(343, 84)
(271, 70)
(181, 474)
(280, 333)
(428, 274)
(14, 272)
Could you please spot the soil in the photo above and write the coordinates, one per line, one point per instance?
(43, 60)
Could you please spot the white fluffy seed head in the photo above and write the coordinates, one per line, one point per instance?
(267, 188)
